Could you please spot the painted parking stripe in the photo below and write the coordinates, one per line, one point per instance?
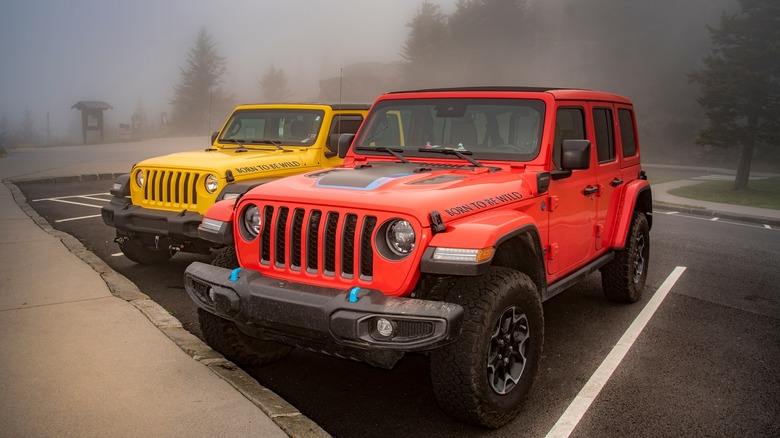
(77, 218)
(767, 227)
(73, 202)
(741, 224)
(715, 219)
(95, 199)
(71, 196)
(576, 410)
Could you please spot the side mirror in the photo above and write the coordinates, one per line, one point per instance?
(332, 144)
(345, 141)
(575, 154)
(214, 136)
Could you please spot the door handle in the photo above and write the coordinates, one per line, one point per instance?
(616, 182)
(590, 190)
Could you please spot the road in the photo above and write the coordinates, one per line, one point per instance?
(706, 364)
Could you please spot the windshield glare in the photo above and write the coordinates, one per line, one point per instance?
(501, 129)
(289, 127)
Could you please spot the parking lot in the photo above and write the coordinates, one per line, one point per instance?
(702, 359)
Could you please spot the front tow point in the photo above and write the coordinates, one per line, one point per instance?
(353, 295)
(234, 274)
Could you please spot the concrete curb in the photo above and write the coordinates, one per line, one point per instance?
(663, 206)
(285, 415)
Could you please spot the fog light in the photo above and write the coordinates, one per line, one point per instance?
(384, 327)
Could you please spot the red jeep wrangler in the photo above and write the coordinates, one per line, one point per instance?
(456, 214)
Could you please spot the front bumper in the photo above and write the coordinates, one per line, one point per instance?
(128, 217)
(336, 321)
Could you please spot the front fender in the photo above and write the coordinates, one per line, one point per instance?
(478, 232)
(637, 196)
(217, 224)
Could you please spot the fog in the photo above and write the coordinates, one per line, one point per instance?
(129, 54)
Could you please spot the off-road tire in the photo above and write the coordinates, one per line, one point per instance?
(460, 371)
(136, 251)
(223, 336)
(623, 279)
(225, 258)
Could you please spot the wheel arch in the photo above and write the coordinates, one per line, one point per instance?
(637, 197)
(521, 250)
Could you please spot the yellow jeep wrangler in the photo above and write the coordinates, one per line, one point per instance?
(157, 207)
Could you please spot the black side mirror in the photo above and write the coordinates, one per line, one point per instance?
(214, 136)
(575, 154)
(332, 143)
(345, 141)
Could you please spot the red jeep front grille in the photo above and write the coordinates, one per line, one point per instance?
(324, 242)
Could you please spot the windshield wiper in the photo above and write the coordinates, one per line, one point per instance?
(275, 143)
(238, 142)
(396, 152)
(463, 154)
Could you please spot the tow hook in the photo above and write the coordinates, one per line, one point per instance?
(121, 240)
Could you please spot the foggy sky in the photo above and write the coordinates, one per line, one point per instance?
(129, 53)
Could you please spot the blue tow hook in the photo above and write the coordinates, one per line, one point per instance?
(234, 274)
(353, 294)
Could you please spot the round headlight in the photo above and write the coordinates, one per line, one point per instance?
(400, 237)
(211, 183)
(251, 221)
(139, 178)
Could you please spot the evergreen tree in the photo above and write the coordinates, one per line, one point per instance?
(273, 86)
(198, 100)
(424, 50)
(740, 83)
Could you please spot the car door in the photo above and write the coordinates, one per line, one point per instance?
(608, 171)
(571, 209)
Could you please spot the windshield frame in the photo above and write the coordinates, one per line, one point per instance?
(511, 121)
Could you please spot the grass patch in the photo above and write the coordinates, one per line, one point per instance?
(764, 193)
(661, 179)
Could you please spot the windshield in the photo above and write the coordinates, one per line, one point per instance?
(500, 129)
(289, 127)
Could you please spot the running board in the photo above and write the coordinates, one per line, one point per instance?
(566, 282)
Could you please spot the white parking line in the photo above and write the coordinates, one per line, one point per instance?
(73, 202)
(715, 219)
(72, 196)
(95, 199)
(576, 410)
(767, 227)
(77, 218)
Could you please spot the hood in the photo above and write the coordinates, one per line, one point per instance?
(242, 163)
(414, 189)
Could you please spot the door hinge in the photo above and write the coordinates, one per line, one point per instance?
(552, 203)
(551, 251)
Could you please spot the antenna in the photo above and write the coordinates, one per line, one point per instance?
(341, 80)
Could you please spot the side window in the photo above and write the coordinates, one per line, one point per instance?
(605, 134)
(346, 124)
(627, 132)
(569, 124)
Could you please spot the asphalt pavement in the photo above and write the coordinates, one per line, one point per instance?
(85, 353)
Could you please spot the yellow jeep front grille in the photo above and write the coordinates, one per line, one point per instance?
(174, 190)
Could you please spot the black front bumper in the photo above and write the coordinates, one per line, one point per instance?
(337, 321)
(122, 215)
